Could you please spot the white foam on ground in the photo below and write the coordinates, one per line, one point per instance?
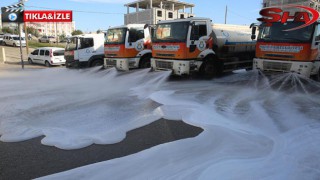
(73, 109)
(251, 129)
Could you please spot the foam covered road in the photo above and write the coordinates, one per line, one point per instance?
(259, 127)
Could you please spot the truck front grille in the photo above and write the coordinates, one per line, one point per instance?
(165, 55)
(280, 56)
(277, 66)
(164, 65)
(111, 62)
(69, 58)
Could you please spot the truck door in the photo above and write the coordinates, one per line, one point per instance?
(317, 41)
(198, 38)
(135, 34)
(85, 49)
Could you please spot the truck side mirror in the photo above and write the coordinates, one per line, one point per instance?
(253, 36)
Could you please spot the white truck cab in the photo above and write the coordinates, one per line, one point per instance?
(85, 50)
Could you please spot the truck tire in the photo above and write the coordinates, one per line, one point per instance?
(97, 62)
(210, 68)
(145, 62)
(317, 76)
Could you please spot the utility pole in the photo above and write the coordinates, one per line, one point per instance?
(226, 14)
(19, 24)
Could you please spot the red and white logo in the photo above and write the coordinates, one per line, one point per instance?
(47, 16)
(273, 14)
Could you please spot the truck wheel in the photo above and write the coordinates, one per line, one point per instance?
(96, 63)
(30, 61)
(145, 62)
(207, 69)
(317, 76)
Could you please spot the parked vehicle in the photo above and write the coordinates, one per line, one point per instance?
(1, 38)
(13, 40)
(85, 50)
(47, 39)
(48, 56)
(128, 47)
(289, 51)
(196, 45)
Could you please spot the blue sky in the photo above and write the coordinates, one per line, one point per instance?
(240, 12)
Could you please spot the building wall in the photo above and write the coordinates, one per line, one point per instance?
(152, 16)
(312, 3)
(51, 29)
(47, 28)
(141, 17)
(315, 4)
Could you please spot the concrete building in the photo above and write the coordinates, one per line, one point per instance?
(49, 29)
(315, 4)
(152, 11)
(53, 29)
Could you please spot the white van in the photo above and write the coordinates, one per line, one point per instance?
(49, 56)
(13, 40)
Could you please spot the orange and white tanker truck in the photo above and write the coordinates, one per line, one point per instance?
(295, 51)
(196, 45)
(128, 47)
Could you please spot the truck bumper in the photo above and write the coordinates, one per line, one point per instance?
(76, 64)
(122, 64)
(304, 68)
(178, 67)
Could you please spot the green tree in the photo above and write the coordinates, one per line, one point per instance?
(99, 31)
(9, 30)
(33, 31)
(77, 32)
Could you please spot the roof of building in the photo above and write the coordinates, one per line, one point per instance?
(144, 4)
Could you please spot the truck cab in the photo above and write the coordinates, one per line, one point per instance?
(194, 44)
(85, 51)
(280, 49)
(127, 47)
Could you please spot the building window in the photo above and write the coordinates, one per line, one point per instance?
(181, 16)
(159, 13)
(170, 15)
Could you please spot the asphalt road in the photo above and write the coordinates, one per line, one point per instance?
(30, 159)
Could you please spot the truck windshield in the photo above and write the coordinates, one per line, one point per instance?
(72, 44)
(116, 36)
(277, 33)
(171, 32)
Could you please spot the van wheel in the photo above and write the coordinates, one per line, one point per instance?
(96, 63)
(145, 62)
(30, 61)
(14, 45)
(47, 64)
